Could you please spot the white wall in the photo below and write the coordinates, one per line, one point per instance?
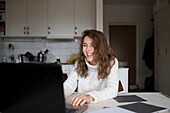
(136, 14)
(60, 48)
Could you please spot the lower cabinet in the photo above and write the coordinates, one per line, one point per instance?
(123, 77)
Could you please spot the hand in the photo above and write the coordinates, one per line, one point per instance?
(81, 99)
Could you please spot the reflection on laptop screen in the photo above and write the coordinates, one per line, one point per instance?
(31, 88)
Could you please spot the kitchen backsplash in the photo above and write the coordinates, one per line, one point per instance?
(61, 49)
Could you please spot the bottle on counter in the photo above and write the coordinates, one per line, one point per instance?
(40, 56)
(4, 59)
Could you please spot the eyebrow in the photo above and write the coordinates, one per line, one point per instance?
(86, 43)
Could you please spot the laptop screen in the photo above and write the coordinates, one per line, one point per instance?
(31, 88)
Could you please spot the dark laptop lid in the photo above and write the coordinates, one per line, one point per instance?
(31, 88)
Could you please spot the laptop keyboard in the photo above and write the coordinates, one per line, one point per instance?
(70, 110)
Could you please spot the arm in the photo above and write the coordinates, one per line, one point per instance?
(71, 83)
(111, 89)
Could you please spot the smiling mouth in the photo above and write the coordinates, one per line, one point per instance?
(89, 55)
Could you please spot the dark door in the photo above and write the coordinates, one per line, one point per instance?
(123, 41)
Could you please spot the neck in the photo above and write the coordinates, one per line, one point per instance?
(92, 63)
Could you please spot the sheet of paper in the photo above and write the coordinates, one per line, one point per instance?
(129, 98)
(142, 107)
(112, 110)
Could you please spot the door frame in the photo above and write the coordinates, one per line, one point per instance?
(137, 38)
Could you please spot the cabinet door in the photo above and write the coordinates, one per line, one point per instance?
(37, 18)
(61, 18)
(15, 17)
(85, 15)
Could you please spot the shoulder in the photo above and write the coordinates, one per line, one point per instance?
(114, 62)
(115, 65)
(75, 64)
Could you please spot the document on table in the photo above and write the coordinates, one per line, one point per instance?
(142, 107)
(129, 98)
(112, 110)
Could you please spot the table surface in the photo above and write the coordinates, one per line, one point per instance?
(155, 98)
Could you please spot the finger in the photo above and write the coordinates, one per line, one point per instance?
(81, 99)
(75, 101)
(78, 101)
(73, 98)
(82, 102)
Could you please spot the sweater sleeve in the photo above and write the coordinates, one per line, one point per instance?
(70, 84)
(111, 88)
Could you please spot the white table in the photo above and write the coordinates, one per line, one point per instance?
(156, 99)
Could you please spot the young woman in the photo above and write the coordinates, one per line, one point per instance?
(95, 74)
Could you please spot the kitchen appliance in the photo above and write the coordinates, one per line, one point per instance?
(42, 55)
(24, 58)
(29, 56)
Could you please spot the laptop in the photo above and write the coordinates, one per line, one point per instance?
(32, 88)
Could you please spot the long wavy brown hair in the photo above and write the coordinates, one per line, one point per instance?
(103, 55)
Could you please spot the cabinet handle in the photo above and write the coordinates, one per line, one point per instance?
(28, 30)
(25, 30)
(49, 30)
(75, 30)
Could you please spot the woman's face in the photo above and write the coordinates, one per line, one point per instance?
(88, 49)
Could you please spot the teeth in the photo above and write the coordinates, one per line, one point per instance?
(89, 54)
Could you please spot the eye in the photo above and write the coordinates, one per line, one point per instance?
(92, 44)
(84, 45)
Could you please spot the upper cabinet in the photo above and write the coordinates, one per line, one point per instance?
(85, 15)
(37, 17)
(60, 18)
(49, 18)
(26, 17)
(16, 17)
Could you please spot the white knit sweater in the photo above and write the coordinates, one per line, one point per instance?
(100, 90)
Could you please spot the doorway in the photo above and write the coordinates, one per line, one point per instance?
(122, 40)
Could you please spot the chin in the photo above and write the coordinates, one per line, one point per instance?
(89, 59)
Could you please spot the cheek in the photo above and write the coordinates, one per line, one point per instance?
(84, 50)
(93, 49)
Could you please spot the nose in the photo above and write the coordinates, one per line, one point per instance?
(88, 48)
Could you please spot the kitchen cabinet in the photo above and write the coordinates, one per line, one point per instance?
(60, 19)
(123, 77)
(162, 48)
(15, 17)
(37, 17)
(26, 18)
(85, 15)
